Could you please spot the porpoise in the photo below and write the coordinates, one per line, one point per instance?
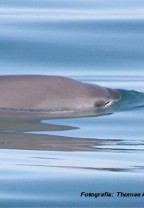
(52, 93)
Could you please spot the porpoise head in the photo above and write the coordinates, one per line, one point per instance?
(111, 96)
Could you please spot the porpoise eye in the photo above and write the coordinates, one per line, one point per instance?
(106, 103)
(101, 104)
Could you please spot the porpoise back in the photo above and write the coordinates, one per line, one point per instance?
(37, 92)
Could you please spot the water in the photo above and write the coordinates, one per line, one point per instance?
(47, 161)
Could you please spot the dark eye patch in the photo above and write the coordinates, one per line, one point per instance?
(99, 103)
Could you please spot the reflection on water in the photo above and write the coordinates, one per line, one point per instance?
(14, 134)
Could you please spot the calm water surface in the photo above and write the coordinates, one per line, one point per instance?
(48, 162)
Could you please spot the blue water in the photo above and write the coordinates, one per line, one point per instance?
(98, 42)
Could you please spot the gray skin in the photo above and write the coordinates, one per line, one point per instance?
(35, 92)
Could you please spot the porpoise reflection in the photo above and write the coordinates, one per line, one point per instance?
(52, 93)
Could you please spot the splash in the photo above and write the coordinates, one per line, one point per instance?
(130, 99)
